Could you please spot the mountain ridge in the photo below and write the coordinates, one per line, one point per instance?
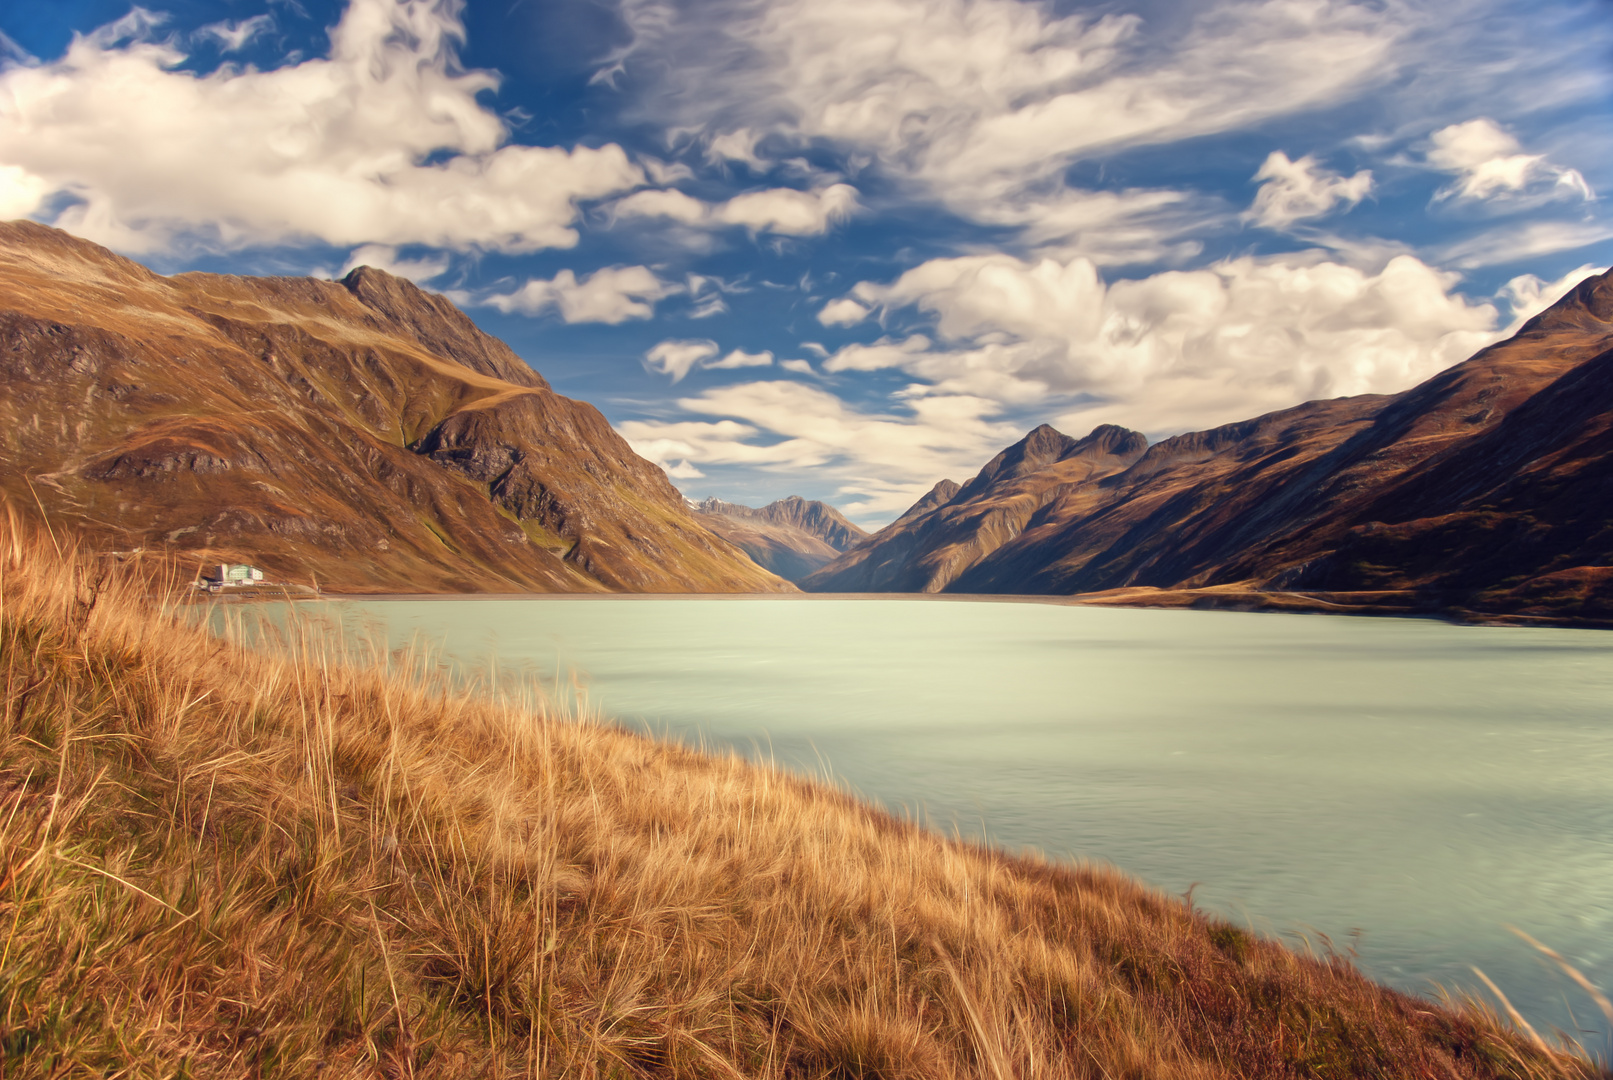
(1482, 493)
(925, 550)
(791, 537)
(363, 433)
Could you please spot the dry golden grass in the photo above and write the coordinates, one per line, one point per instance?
(215, 862)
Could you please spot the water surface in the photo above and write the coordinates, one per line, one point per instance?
(1404, 786)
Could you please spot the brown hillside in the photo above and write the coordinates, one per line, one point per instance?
(1485, 491)
(925, 550)
(363, 433)
(791, 537)
(233, 865)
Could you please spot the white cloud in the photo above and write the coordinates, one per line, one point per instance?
(20, 192)
(1176, 350)
(883, 461)
(1527, 295)
(735, 146)
(682, 470)
(842, 312)
(381, 142)
(985, 103)
(1522, 241)
(673, 205)
(800, 367)
(383, 257)
(740, 359)
(790, 212)
(612, 295)
(1111, 228)
(1490, 163)
(235, 36)
(885, 353)
(1296, 190)
(785, 211)
(678, 358)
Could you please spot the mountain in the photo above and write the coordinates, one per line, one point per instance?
(363, 433)
(1486, 491)
(938, 496)
(942, 536)
(791, 537)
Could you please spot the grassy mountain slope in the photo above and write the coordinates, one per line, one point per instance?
(226, 864)
(792, 537)
(362, 432)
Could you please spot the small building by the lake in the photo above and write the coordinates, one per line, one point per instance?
(231, 575)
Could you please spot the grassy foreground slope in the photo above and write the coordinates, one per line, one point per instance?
(220, 863)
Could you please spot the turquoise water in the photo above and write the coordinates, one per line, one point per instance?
(1405, 787)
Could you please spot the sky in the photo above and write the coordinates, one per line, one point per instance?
(846, 248)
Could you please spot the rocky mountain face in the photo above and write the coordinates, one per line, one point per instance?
(1486, 491)
(791, 537)
(936, 497)
(361, 433)
(943, 535)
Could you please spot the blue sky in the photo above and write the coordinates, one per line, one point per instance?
(844, 248)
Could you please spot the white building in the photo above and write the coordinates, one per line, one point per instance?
(231, 575)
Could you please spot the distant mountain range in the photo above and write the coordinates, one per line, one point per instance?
(366, 435)
(791, 537)
(361, 433)
(1487, 491)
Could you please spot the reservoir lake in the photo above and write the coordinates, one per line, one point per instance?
(1405, 788)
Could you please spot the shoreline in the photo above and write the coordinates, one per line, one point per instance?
(1216, 598)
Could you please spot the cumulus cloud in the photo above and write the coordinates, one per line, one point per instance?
(1178, 349)
(383, 257)
(682, 470)
(1297, 190)
(785, 211)
(883, 461)
(612, 295)
(842, 312)
(1527, 295)
(20, 192)
(383, 141)
(1490, 163)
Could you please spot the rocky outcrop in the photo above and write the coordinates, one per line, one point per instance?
(791, 537)
(1485, 492)
(362, 433)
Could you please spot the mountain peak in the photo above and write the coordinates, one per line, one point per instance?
(1584, 307)
(817, 519)
(937, 497)
(401, 307)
